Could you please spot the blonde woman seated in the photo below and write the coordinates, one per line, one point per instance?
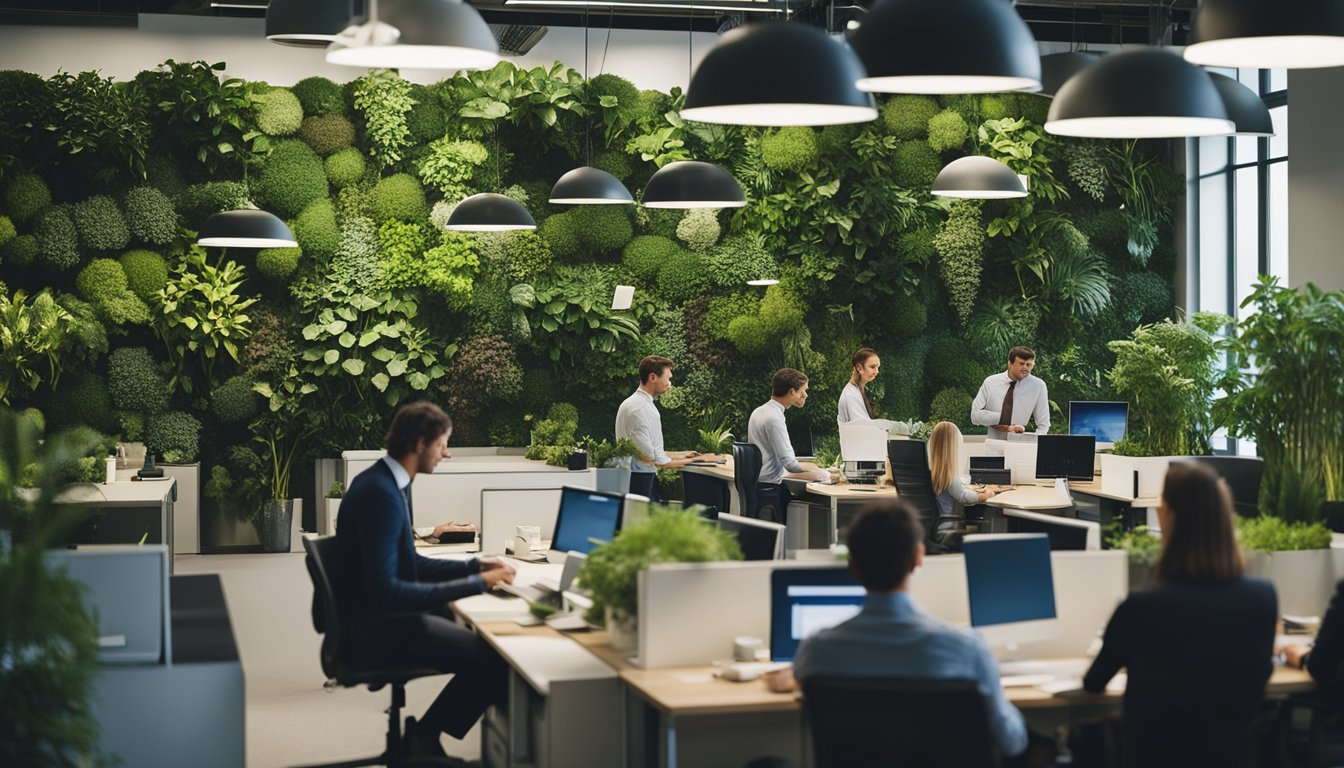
(944, 463)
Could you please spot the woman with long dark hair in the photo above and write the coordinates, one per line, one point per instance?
(1197, 646)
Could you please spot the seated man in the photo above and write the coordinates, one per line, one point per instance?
(393, 595)
(891, 636)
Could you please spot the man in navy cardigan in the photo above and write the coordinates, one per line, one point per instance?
(395, 597)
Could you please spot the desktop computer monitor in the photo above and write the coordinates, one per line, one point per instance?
(987, 462)
(1065, 533)
(1011, 587)
(1104, 420)
(758, 539)
(863, 442)
(806, 600)
(1067, 456)
(586, 519)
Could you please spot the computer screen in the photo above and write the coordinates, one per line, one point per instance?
(1069, 456)
(1010, 586)
(987, 462)
(863, 442)
(758, 539)
(1065, 533)
(586, 519)
(806, 600)
(1106, 421)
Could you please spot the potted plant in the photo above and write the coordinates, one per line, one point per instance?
(612, 570)
(611, 462)
(334, 495)
(553, 437)
(1167, 373)
(1296, 557)
(1285, 391)
(1143, 546)
(280, 431)
(717, 439)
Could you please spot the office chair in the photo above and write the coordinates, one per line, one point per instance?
(645, 484)
(709, 491)
(1242, 474)
(909, 460)
(326, 576)
(858, 722)
(746, 476)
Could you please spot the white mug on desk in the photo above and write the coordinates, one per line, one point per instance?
(526, 540)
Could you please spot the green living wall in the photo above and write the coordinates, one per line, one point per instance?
(111, 319)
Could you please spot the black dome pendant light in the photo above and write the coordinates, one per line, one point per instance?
(1248, 111)
(693, 184)
(1267, 34)
(489, 212)
(975, 177)
(245, 228)
(417, 34)
(307, 23)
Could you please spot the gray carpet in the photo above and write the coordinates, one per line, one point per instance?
(291, 719)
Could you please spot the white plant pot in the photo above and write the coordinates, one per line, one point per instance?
(1304, 580)
(327, 525)
(611, 480)
(622, 632)
(1117, 475)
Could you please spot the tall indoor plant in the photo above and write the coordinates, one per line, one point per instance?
(281, 431)
(1285, 391)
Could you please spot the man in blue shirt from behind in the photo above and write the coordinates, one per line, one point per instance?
(891, 636)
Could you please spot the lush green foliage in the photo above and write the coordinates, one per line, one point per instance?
(234, 401)
(100, 224)
(399, 197)
(32, 336)
(384, 98)
(447, 269)
(103, 283)
(449, 165)
(907, 117)
(57, 239)
(645, 255)
(316, 230)
(25, 196)
(319, 96)
(150, 216)
(789, 149)
(1267, 533)
(202, 317)
(173, 436)
(199, 201)
(1143, 547)
(291, 178)
(213, 122)
(327, 134)
(278, 264)
(947, 131)
(135, 383)
(960, 243)
(345, 167)
(146, 273)
(699, 229)
(100, 122)
(279, 112)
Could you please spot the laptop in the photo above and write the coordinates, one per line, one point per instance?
(989, 470)
(548, 591)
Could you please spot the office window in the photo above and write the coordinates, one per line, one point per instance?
(1238, 209)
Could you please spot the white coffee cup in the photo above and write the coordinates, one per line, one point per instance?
(526, 540)
(746, 647)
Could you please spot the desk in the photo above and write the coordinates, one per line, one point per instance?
(124, 512)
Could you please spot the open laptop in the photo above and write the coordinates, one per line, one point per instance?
(548, 591)
(989, 470)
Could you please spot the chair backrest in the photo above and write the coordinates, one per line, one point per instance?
(707, 490)
(322, 568)
(645, 484)
(746, 473)
(909, 460)
(1242, 474)
(865, 721)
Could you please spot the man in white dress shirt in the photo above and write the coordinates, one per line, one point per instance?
(1008, 400)
(638, 419)
(768, 431)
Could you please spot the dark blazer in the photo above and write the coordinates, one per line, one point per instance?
(1197, 657)
(383, 581)
(1326, 660)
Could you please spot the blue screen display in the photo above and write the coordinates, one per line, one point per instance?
(1009, 579)
(585, 519)
(1103, 420)
(806, 600)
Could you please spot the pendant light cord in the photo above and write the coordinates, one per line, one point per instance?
(587, 93)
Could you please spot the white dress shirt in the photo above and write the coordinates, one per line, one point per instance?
(1030, 401)
(638, 420)
(851, 406)
(766, 430)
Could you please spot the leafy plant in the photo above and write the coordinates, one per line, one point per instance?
(573, 313)
(101, 122)
(32, 339)
(449, 165)
(608, 453)
(385, 99)
(336, 491)
(201, 316)
(1143, 547)
(135, 383)
(1134, 178)
(960, 243)
(213, 120)
(173, 436)
(716, 439)
(1267, 533)
(484, 372)
(1285, 390)
(282, 428)
(667, 536)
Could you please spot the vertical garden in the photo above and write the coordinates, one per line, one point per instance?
(111, 319)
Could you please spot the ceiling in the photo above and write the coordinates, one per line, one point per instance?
(1062, 21)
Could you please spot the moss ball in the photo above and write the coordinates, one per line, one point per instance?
(699, 229)
(291, 178)
(25, 196)
(57, 239)
(624, 91)
(279, 112)
(327, 134)
(146, 273)
(529, 256)
(175, 436)
(83, 400)
(278, 264)
(613, 162)
(234, 402)
(102, 278)
(952, 405)
(947, 130)
(605, 228)
(151, 216)
(996, 106)
(399, 197)
(316, 231)
(915, 165)
(19, 252)
(682, 277)
(837, 138)
(134, 380)
(319, 96)
(345, 167)
(199, 201)
(747, 333)
(7, 230)
(562, 232)
(789, 149)
(644, 256)
(100, 225)
(907, 116)
(426, 122)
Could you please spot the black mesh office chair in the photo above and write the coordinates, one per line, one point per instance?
(909, 461)
(858, 722)
(707, 490)
(1242, 474)
(746, 475)
(326, 576)
(645, 484)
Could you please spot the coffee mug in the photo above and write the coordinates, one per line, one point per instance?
(745, 647)
(526, 540)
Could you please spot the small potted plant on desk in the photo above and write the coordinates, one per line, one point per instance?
(1296, 557)
(611, 462)
(281, 430)
(612, 569)
(1143, 546)
(334, 495)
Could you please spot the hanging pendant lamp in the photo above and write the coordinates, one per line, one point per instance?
(777, 73)
(1057, 68)
(946, 46)
(1248, 111)
(417, 34)
(1141, 93)
(246, 228)
(1293, 34)
(693, 184)
(489, 212)
(590, 186)
(307, 23)
(978, 178)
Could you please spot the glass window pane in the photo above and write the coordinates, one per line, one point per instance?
(1278, 143)
(1247, 149)
(1248, 231)
(1212, 155)
(1213, 245)
(1278, 220)
(1278, 80)
(1249, 77)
